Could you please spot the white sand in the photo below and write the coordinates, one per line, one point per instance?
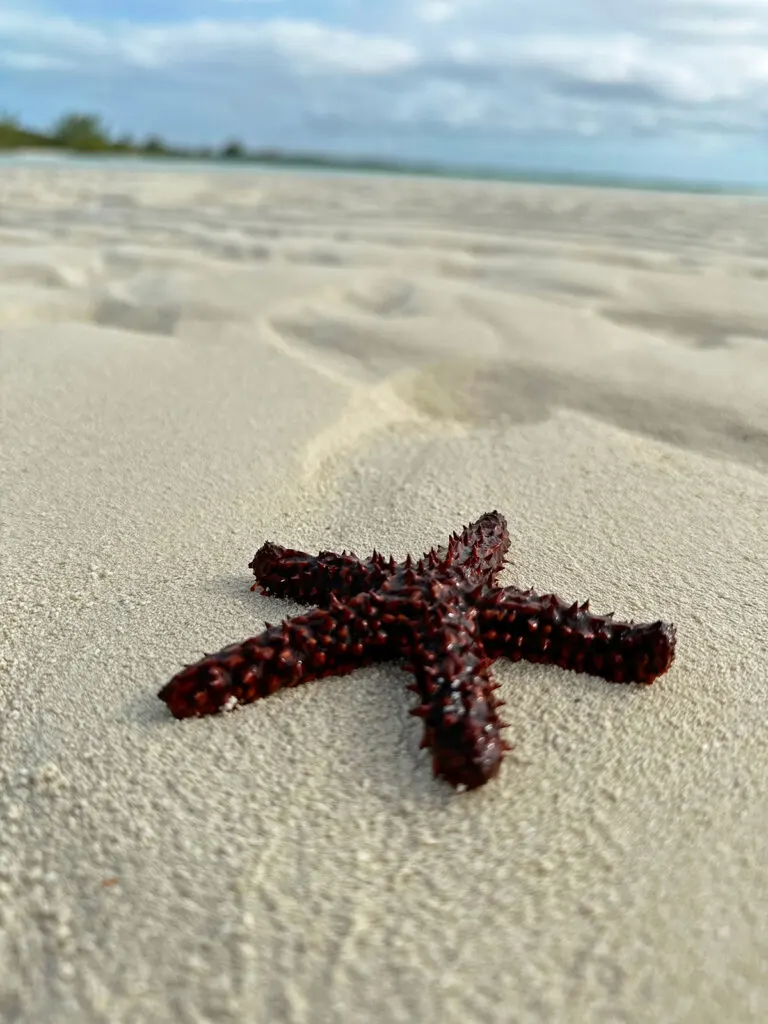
(191, 365)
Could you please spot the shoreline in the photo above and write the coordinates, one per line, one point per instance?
(185, 164)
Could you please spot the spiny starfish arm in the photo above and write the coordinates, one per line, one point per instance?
(325, 642)
(285, 572)
(475, 555)
(542, 628)
(462, 726)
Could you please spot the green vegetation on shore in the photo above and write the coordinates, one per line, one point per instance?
(85, 134)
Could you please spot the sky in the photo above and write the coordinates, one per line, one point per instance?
(639, 88)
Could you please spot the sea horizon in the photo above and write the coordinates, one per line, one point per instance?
(346, 167)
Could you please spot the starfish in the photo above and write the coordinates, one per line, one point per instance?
(445, 615)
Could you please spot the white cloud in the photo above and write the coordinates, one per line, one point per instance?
(33, 62)
(303, 45)
(746, 28)
(437, 11)
(686, 73)
(546, 65)
(727, 6)
(449, 102)
(335, 49)
(56, 33)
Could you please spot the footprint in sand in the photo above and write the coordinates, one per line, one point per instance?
(380, 323)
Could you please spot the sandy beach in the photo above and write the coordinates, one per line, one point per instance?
(194, 363)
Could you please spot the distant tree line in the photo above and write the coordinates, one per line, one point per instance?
(87, 134)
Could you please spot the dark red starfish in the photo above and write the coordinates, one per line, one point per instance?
(445, 615)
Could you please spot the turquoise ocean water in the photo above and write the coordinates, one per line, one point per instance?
(157, 164)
